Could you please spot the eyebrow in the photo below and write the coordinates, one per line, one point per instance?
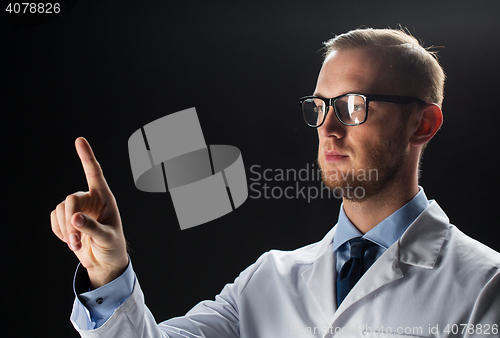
(325, 97)
(319, 95)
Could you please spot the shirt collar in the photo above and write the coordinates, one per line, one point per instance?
(386, 232)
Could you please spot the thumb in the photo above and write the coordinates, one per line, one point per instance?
(86, 225)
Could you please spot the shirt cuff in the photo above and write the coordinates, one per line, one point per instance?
(102, 302)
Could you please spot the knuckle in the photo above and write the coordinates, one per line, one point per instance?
(53, 217)
(60, 207)
(71, 199)
(74, 202)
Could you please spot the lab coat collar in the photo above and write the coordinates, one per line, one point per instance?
(422, 241)
(419, 246)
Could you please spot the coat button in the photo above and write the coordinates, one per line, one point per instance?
(99, 301)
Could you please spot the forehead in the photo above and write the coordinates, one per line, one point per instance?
(360, 70)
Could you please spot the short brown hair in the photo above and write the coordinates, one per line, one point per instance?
(413, 67)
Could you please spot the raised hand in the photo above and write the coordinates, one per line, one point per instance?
(89, 222)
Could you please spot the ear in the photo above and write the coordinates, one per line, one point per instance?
(428, 120)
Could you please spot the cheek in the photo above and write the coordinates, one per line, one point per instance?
(368, 147)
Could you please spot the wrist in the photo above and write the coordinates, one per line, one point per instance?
(104, 274)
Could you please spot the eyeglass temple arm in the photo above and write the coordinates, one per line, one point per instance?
(394, 99)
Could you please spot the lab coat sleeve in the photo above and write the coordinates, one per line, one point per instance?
(485, 317)
(217, 318)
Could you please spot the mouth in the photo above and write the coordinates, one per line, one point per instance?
(334, 156)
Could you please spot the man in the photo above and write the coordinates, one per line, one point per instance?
(393, 266)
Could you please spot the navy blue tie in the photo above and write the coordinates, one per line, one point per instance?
(352, 270)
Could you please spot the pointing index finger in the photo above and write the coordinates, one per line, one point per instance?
(91, 167)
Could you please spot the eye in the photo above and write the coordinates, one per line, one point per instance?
(355, 104)
(358, 107)
(318, 109)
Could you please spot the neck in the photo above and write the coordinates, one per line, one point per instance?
(365, 214)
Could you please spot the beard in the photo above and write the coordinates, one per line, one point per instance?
(383, 166)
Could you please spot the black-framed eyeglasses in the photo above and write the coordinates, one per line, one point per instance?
(350, 109)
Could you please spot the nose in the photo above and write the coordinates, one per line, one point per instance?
(332, 127)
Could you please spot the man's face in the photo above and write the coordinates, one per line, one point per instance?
(361, 161)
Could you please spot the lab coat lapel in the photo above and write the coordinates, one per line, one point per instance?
(384, 271)
(321, 275)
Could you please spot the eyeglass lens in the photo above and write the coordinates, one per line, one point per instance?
(350, 109)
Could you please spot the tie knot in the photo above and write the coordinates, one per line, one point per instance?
(359, 246)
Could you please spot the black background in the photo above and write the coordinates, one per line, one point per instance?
(105, 68)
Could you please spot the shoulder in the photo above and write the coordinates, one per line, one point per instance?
(303, 255)
(471, 256)
(284, 261)
(433, 239)
(468, 247)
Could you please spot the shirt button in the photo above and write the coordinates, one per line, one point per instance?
(99, 301)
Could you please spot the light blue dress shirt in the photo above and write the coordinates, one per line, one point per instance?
(101, 303)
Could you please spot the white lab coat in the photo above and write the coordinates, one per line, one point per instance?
(433, 279)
